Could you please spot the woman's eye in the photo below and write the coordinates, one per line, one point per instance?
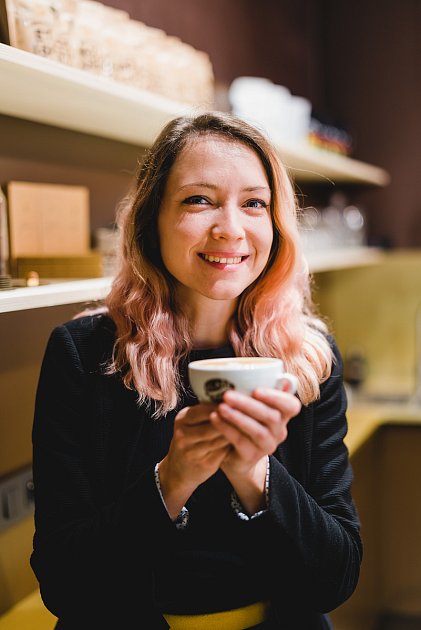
(196, 200)
(256, 203)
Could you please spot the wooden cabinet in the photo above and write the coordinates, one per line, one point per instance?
(386, 469)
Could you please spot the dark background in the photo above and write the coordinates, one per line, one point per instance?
(358, 62)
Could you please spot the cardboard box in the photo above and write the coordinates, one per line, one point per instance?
(48, 219)
(87, 266)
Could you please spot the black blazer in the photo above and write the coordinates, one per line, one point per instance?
(102, 529)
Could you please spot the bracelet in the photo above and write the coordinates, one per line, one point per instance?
(236, 503)
(182, 518)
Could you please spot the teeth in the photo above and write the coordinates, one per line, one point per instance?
(217, 259)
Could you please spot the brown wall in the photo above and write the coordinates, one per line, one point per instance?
(372, 62)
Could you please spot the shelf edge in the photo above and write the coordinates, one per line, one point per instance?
(54, 294)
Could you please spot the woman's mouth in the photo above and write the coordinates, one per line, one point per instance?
(224, 260)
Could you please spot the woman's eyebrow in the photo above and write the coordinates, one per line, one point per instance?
(199, 184)
(215, 186)
(255, 188)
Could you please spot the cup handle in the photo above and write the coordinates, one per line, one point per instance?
(290, 380)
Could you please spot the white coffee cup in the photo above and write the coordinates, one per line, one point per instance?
(210, 378)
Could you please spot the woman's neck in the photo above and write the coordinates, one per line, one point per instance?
(209, 321)
(209, 334)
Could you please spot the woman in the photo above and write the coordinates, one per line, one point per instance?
(153, 510)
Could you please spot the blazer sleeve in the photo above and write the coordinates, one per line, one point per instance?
(320, 519)
(81, 546)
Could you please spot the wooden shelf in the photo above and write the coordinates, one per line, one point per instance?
(38, 89)
(310, 164)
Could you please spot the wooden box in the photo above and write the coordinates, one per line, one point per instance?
(48, 219)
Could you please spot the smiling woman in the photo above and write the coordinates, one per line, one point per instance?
(217, 177)
(154, 509)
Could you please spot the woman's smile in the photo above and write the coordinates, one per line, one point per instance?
(223, 260)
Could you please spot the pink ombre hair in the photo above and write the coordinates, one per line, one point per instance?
(275, 314)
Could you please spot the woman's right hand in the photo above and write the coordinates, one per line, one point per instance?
(195, 454)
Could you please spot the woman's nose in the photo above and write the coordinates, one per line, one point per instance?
(229, 225)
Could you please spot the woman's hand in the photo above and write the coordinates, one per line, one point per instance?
(196, 452)
(254, 426)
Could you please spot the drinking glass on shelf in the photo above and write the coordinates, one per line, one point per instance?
(5, 279)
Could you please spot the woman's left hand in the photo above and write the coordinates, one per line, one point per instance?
(255, 426)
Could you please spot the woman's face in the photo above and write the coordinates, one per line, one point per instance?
(215, 228)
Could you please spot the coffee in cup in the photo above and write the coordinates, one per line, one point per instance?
(210, 378)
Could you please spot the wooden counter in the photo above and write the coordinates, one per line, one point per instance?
(365, 418)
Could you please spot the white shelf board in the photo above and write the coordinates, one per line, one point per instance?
(91, 290)
(308, 163)
(45, 91)
(54, 294)
(344, 258)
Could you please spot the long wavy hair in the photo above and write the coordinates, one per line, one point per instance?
(275, 315)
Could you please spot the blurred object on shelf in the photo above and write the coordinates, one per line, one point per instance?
(48, 219)
(31, 24)
(355, 367)
(285, 118)
(336, 226)
(87, 266)
(43, 27)
(326, 135)
(89, 37)
(5, 282)
(105, 41)
(355, 226)
(106, 243)
(313, 232)
(417, 393)
(5, 278)
(32, 279)
(129, 63)
(64, 20)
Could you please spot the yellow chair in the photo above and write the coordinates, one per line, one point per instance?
(28, 614)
